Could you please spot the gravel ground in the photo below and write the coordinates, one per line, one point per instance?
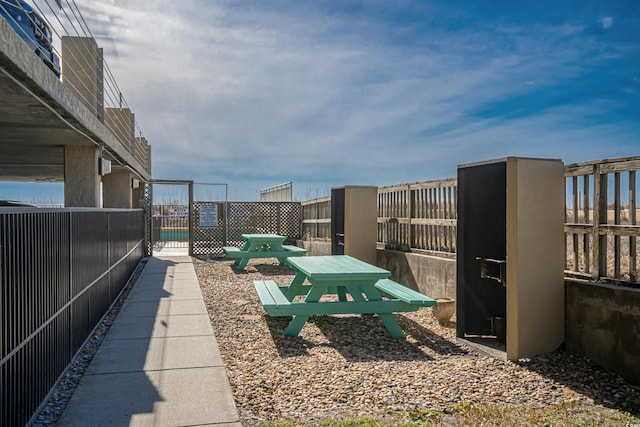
(347, 366)
(342, 367)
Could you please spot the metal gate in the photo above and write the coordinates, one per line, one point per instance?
(218, 224)
(203, 228)
(170, 226)
(169, 219)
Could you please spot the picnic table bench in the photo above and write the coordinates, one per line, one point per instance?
(261, 246)
(369, 287)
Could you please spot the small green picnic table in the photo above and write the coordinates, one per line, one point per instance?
(261, 246)
(369, 287)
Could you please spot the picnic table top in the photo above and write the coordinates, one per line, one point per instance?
(264, 237)
(337, 268)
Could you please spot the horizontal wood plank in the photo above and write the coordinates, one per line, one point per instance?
(270, 295)
(404, 293)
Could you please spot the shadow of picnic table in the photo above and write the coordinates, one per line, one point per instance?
(362, 338)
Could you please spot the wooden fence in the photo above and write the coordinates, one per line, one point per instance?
(419, 217)
(316, 219)
(601, 207)
(601, 220)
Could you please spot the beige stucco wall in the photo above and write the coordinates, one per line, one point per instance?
(535, 256)
(361, 222)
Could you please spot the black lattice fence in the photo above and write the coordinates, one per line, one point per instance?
(218, 224)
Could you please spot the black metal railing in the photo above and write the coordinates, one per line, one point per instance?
(60, 271)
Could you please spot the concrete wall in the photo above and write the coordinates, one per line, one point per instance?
(316, 248)
(429, 275)
(603, 323)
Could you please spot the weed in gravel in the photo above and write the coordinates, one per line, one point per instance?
(464, 414)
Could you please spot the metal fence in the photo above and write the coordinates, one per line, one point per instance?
(60, 271)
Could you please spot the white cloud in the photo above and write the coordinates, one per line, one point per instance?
(606, 22)
(230, 91)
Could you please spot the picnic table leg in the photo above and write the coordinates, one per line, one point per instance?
(342, 291)
(241, 263)
(387, 319)
(298, 321)
(277, 247)
(295, 326)
(295, 286)
(356, 293)
(392, 325)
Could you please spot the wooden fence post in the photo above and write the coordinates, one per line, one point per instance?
(599, 260)
(410, 213)
(632, 221)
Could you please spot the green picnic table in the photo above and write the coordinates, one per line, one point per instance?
(261, 246)
(369, 287)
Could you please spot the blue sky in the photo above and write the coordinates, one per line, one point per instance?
(325, 93)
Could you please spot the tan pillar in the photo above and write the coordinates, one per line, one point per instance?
(116, 189)
(81, 179)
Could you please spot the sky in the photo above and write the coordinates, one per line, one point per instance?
(327, 93)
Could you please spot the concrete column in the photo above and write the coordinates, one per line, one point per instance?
(81, 179)
(116, 189)
(137, 196)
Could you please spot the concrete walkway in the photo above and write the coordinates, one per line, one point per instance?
(159, 364)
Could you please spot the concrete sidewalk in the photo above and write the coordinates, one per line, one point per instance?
(159, 364)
